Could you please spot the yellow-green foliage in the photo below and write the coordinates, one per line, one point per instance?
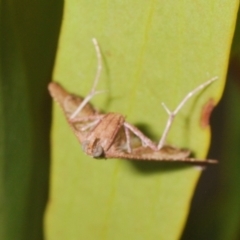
(153, 51)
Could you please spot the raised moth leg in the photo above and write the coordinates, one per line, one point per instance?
(145, 140)
(94, 120)
(171, 115)
(93, 91)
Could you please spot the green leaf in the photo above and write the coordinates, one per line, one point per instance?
(152, 52)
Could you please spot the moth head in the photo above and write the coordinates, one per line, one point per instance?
(93, 149)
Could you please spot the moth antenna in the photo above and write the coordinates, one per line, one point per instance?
(171, 115)
(93, 91)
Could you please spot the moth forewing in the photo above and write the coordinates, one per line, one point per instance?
(69, 103)
(165, 154)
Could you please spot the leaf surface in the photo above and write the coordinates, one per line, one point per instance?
(152, 52)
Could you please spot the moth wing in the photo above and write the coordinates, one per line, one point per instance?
(69, 103)
(166, 154)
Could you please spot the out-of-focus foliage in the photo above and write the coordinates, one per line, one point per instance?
(29, 33)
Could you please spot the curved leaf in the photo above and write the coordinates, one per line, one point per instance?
(152, 52)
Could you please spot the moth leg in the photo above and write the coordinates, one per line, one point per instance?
(93, 91)
(91, 124)
(86, 118)
(94, 120)
(127, 134)
(145, 140)
(171, 115)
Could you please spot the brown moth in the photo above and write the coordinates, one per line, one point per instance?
(110, 136)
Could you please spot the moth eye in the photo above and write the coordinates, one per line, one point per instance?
(94, 150)
(85, 146)
(97, 151)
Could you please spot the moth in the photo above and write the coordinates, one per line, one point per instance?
(110, 135)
